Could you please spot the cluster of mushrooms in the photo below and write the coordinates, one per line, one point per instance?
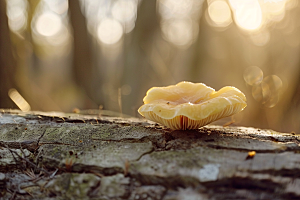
(187, 105)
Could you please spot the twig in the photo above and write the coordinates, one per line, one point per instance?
(30, 173)
(22, 153)
(36, 158)
(13, 196)
(11, 153)
(28, 161)
(53, 174)
(97, 174)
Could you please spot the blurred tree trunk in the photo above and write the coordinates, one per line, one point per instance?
(136, 53)
(199, 52)
(82, 55)
(7, 63)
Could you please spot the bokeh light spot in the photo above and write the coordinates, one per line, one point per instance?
(272, 101)
(180, 21)
(268, 91)
(235, 3)
(17, 14)
(274, 7)
(179, 32)
(253, 75)
(124, 10)
(57, 6)
(257, 93)
(109, 31)
(19, 22)
(274, 83)
(220, 13)
(48, 24)
(248, 15)
(179, 8)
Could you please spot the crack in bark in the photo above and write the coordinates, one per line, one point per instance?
(155, 141)
(146, 153)
(38, 141)
(29, 145)
(229, 185)
(57, 143)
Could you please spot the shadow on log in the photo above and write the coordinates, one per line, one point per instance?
(72, 156)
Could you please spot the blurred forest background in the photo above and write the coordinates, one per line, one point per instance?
(57, 55)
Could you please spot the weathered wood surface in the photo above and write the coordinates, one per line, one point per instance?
(71, 156)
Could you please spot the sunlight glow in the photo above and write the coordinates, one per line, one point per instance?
(120, 12)
(50, 30)
(179, 32)
(248, 15)
(252, 15)
(179, 21)
(274, 8)
(125, 12)
(274, 11)
(179, 8)
(60, 39)
(109, 31)
(48, 24)
(235, 3)
(17, 14)
(57, 6)
(220, 13)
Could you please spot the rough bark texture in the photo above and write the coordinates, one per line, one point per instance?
(71, 156)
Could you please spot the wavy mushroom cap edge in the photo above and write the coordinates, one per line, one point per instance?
(187, 105)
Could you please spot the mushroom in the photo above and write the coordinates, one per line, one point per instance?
(189, 105)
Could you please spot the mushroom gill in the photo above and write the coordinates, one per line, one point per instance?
(190, 105)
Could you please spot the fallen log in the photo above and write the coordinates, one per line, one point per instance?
(72, 156)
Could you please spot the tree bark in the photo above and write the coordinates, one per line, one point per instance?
(71, 156)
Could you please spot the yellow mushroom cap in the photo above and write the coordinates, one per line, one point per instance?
(190, 105)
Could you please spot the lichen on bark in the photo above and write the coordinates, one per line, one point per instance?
(46, 155)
